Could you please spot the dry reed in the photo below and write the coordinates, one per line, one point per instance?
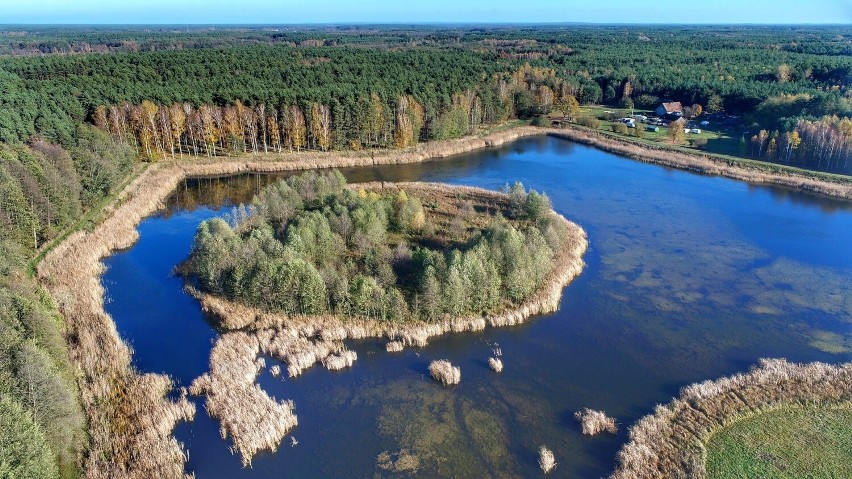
(595, 422)
(339, 361)
(394, 346)
(546, 459)
(671, 442)
(496, 364)
(444, 372)
(253, 419)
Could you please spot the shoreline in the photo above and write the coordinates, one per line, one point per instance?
(672, 441)
(760, 174)
(255, 421)
(118, 400)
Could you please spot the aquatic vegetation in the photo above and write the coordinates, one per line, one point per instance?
(114, 395)
(444, 372)
(672, 441)
(398, 462)
(339, 361)
(496, 364)
(130, 416)
(595, 422)
(546, 459)
(253, 419)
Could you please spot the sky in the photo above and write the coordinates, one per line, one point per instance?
(423, 11)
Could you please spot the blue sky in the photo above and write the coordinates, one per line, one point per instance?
(424, 11)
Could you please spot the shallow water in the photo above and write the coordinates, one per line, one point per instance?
(688, 278)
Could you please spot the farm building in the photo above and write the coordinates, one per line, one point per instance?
(670, 110)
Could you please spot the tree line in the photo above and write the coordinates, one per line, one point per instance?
(159, 130)
(824, 144)
(310, 245)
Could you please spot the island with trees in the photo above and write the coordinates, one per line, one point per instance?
(314, 261)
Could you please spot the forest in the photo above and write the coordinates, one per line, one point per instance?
(310, 245)
(82, 107)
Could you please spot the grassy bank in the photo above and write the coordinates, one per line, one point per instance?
(737, 412)
(788, 443)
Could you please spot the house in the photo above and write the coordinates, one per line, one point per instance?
(670, 110)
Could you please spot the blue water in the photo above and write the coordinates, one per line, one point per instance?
(688, 277)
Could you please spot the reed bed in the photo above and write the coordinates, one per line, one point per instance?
(595, 422)
(444, 372)
(671, 442)
(546, 459)
(339, 361)
(496, 364)
(254, 420)
(128, 414)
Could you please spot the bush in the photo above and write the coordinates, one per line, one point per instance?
(24, 452)
(699, 143)
(589, 122)
(619, 128)
(541, 120)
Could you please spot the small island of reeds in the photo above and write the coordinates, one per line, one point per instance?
(313, 262)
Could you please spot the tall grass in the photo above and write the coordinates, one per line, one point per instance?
(546, 459)
(595, 422)
(444, 372)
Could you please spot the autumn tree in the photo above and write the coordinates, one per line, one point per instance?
(320, 126)
(675, 132)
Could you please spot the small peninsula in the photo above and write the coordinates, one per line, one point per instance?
(314, 261)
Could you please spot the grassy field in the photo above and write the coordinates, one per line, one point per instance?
(724, 141)
(809, 442)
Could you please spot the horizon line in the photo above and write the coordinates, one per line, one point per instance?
(424, 24)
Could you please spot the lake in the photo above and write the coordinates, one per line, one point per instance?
(688, 278)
